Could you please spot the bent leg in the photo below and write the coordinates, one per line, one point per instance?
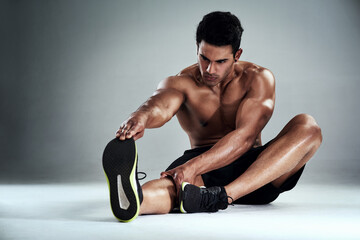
(284, 156)
(304, 130)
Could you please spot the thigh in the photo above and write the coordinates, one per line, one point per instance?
(300, 119)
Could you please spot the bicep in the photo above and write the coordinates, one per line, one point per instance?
(253, 115)
(169, 96)
(168, 100)
(257, 107)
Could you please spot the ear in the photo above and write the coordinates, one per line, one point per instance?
(238, 54)
(197, 48)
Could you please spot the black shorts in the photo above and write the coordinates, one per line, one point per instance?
(227, 174)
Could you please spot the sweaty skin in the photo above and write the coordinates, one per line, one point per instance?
(208, 114)
(219, 101)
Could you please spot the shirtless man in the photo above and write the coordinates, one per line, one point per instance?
(222, 104)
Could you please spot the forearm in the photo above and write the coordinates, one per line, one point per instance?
(224, 152)
(159, 108)
(155, 112)
(152, 114)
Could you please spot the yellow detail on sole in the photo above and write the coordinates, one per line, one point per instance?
(134, 188)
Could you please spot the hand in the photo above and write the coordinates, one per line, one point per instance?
(180, 174)
(134, 127)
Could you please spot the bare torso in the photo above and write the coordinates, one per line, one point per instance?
(208, 114)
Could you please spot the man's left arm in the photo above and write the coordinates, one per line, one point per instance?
(252, 115)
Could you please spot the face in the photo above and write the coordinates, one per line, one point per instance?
(215, 63)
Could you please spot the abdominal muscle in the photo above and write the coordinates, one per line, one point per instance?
(196, 143)
(206, 134)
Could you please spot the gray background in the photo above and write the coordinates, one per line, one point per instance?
(72, 71)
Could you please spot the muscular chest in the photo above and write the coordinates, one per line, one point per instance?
(215, 111)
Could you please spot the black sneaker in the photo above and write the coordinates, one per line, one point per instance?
(201, 199)
(120, 166)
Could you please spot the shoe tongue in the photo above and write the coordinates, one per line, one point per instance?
(211, 198)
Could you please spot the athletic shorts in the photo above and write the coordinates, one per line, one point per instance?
(227, 174)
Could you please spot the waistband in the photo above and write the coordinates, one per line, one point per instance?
(198, 149)
(205, 148)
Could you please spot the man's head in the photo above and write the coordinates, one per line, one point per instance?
(220, 29)
(218, 40)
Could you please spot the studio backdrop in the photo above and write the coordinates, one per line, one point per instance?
(73, 71)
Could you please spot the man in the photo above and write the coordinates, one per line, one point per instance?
(222, 104)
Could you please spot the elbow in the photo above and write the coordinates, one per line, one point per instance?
(160, 117)
(249, 142)
(245, 141)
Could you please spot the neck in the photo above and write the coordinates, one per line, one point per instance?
(230, 76)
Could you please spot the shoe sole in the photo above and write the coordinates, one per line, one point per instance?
(120, 170)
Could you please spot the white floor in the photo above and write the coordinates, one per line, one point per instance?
(82, 212)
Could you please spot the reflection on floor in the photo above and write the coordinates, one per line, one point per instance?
(82, 211)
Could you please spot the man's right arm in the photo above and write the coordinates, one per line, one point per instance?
(155, 112)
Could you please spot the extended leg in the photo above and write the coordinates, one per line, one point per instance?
(160, 196)
(127, 198)
(285, 155)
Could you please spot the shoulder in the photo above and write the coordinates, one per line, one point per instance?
(182, 81)
(255, 75)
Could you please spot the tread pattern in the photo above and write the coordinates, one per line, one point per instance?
(120, 158)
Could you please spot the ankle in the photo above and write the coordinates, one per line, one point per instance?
(229, 194)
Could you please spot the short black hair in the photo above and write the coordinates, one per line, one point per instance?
(220, 29)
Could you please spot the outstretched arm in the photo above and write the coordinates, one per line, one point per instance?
(155, 112)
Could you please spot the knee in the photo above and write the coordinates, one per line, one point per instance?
(307, 126)
(159, 196)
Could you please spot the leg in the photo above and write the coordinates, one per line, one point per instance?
(160, 196)
(128, 199)
(285, 155)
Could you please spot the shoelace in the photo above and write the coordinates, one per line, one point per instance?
(232, 201)
(209, 200)
(143, 177)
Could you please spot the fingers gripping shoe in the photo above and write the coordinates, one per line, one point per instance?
(120, 167)
(200, 199)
